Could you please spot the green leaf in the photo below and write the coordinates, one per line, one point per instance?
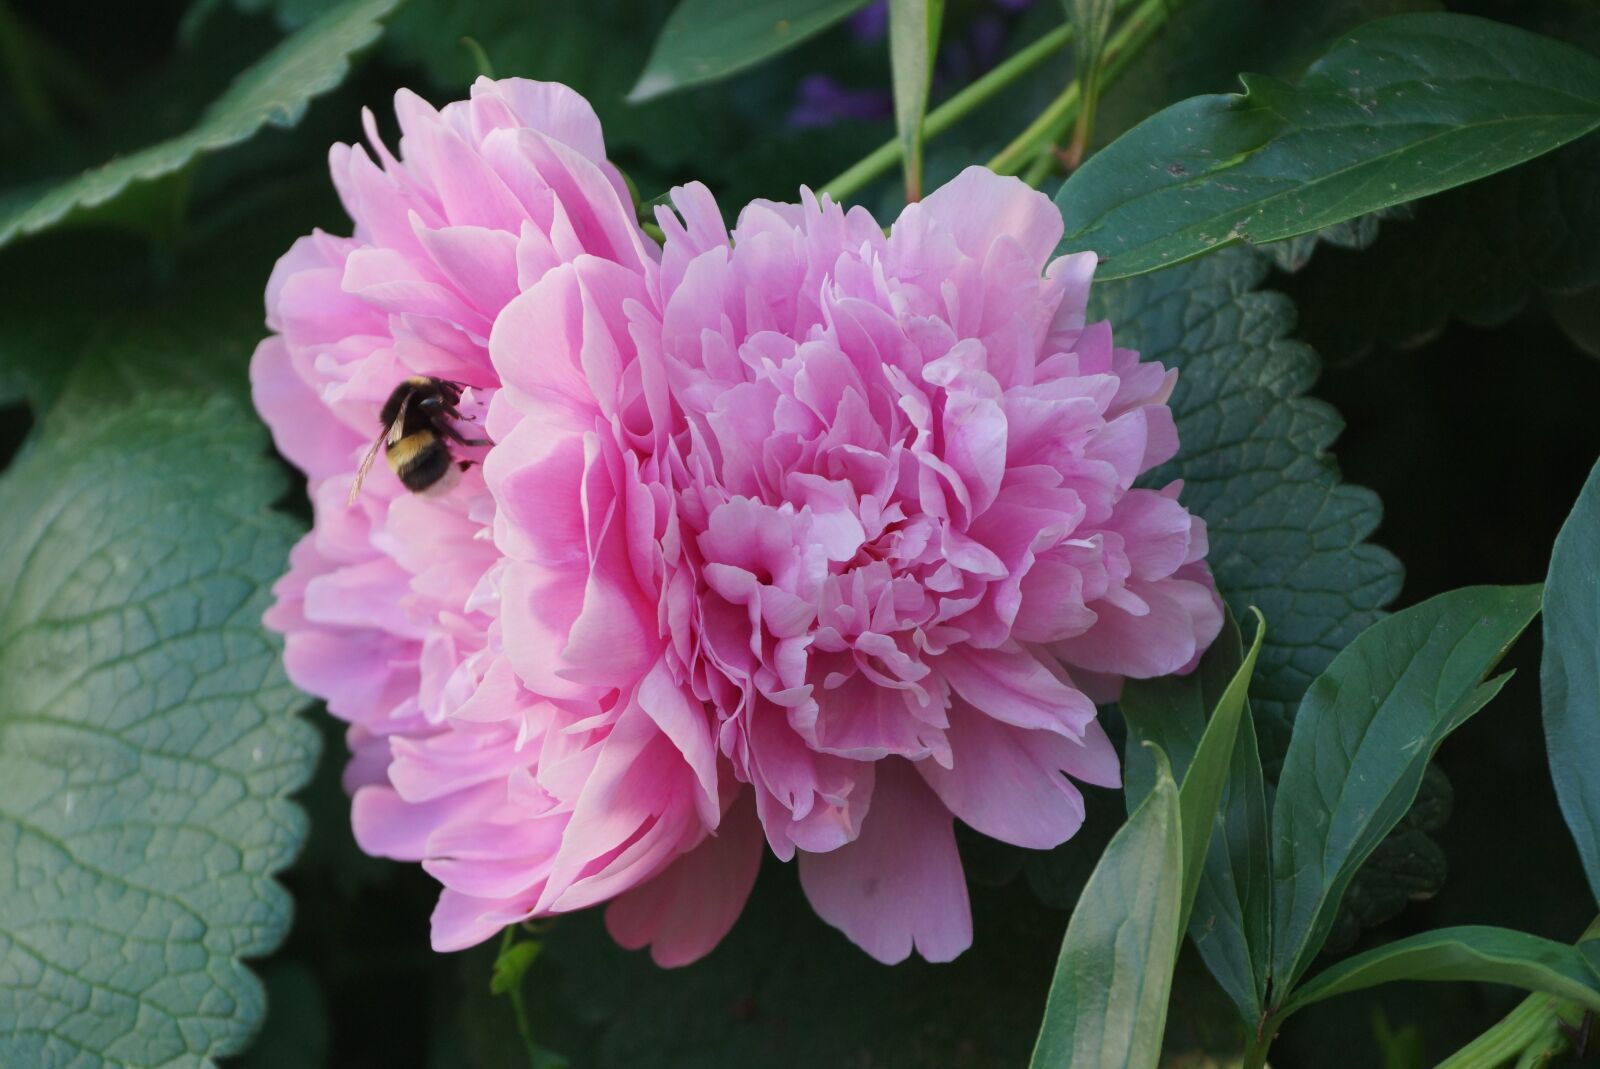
(1473, 952)
(1207, 43)
(147, 742)
(704, 40)
(1398, 109)
(1227, 879)
(913, 40)
(1570, 673)
(1408, 865)
(274, 92)
(1204, 780)
(1108, 1001)
(1285, 534)
(1361, 742)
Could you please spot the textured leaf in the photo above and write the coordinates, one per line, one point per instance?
(1286, 535)
(1476, 254)
(1362, 741)
(1108, 1001)
(1229, 922)
(1570, 673)
(272, 93)
(704, 40)
(913, 41)
(146, 737)
(1473, 952)
(1399, 109)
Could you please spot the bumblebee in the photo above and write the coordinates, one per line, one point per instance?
(417, 419)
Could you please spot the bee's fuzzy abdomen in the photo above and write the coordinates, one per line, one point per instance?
(419, 460)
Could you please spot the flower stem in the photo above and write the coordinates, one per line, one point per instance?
(1255, 1055)
(1518, 1033)
(1042, 135)
(518, 1008)
(1531, 1033)
(952, 111)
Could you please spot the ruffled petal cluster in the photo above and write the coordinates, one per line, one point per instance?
(799, 537)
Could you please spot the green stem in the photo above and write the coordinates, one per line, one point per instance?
(1043, 134)
(1531, 1032)
(518, 1009)
(952, 111)
(1255, 1055)
(1532, 1021)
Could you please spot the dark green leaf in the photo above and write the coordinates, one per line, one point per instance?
(1399, 109)
(704, 40)
(147, 742)
(783, 990)
(1356, 234)
(1361, 742)
(1108, 1001)
(274, 92)
(1475, 254)
(1570, 673)
(1473, 952)
(1229, 922)
(1407, 866)
(1207, 775)
(913, 41)
(1285, 534)
(1206, 43)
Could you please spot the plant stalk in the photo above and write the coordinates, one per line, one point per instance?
(1531, 1033)
(1042, 135)
(518, 1008)
(952, 111)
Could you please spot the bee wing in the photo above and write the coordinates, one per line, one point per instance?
(386, 437)
(394, 432)
(366, 465)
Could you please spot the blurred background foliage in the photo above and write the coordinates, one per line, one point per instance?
(1460, 344)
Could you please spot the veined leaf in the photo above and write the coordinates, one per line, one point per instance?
(1108, 1002)
(1570, 673)
(147, 742)
(1473, 952)
(1286, 535)
(1361, 742)
(1230, 892)
(704, 40)
(1398, 109)
(274, 92)
(913, 40)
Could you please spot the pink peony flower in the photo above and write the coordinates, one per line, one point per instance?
(804, 538)
(850, 519)
(390, 608)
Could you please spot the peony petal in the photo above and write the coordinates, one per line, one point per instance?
(899, 885)
(685, 911)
